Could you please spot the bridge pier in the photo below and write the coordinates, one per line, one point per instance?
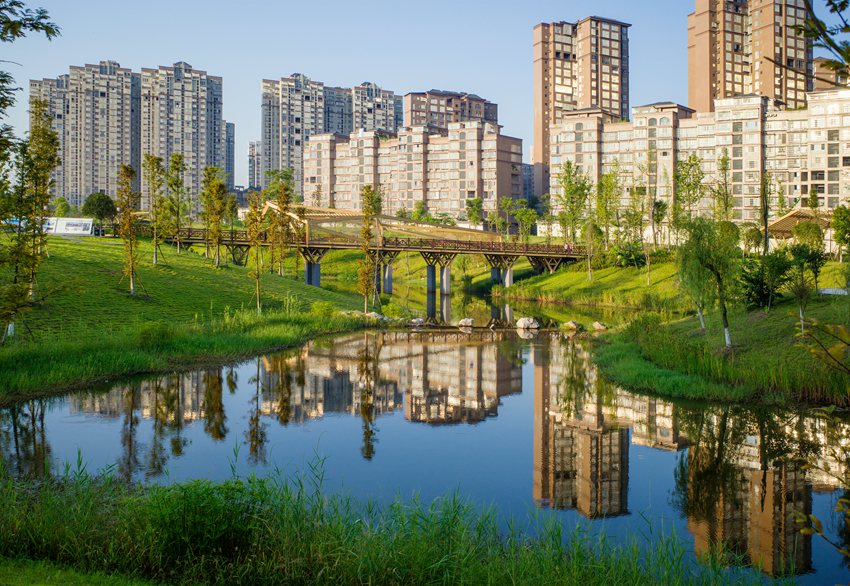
(502, 268)
(495, 275)
(312, 264)
(388, 279)
(446, 280)
(430, 279)
(444, 261)
(431, 306)
(445, 308)
(508, 278)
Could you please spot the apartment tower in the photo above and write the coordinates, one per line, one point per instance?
(230, 154)
(576, 66)
(740, 47)
(182, 113)
(95, 112)
(437, 109)
(255, 150)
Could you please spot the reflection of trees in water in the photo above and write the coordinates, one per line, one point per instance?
(214, 417)
(256, 433)
(23, 441)
(580, 382)
(129, 462)
(368, 374)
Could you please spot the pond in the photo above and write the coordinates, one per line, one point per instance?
(527, 425)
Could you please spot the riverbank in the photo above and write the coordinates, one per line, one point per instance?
(86, 329)
(29, 573)
(266, 531)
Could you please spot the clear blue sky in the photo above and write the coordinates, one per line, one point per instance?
(476, 46)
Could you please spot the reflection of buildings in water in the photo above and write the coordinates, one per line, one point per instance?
(438, 377)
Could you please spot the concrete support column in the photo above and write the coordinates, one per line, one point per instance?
(308, 272)
(316, 274)
(508, 278)
(446, 280)
(431, 305)
(378, 280)
(431, 279)
(495, 275)
(445, 309)
(509, 313)
(388, 279)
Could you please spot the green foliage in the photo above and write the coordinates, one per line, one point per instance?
(722, 191)
(752, 238)
(572, 199)
(214, 201)
(128, 203)
(608, 194)
(153, 171)
(280, 190)
(688, 179)
(526, 217)
(420, 212)
(323, 309)
(809, 234)
(371, 202)
(100, 206)
(475, 210)
(176, 206)
(631, 254)
(840, 225)
(255, 226)
(61, 207)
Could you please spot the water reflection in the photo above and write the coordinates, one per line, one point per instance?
(736, 477)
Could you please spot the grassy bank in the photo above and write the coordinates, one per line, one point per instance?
(272, 532)
(29, 573)
(769, 362)
(85, 328)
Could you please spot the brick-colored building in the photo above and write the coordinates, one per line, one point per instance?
(438, 109)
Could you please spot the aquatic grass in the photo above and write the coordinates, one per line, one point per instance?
(275, 530)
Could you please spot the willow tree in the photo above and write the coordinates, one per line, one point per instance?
(154, 172)
(128, 205)
(254, 227)
(175, 202)
(281, 190)
(688, 180)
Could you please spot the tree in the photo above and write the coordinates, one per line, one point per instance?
(214, 199)
(281, 190)
(492, 220)
(575, 191)
(371, 204)
(99, 206)
(752, 237)
(782, 206)
(722, 190)
(61, 207)
(608, 193)
(506, 207)
(659, 212)
(526, 218)
(475, 210)
(809, 257)
(154, 171)
(809, 234)
(688, 179)
(402, 214)
(546, 216)
(799, 285)
(841, 228)
(696, 280)
(317, 195)
(420, 212)
(254, 226)
(175, 205)
(828, 37)
(776, 266)
(713, 247)
(765, 189)
(128, 205)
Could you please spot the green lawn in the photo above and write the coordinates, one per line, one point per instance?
(27, 573)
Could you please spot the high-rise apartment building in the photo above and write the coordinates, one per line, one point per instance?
(442, 170)
(805, 151)
(576, 66)
(182, 113)
(95, 112)
(230, 154)
(827, 78)
(739, 47)
(296, 107)
(255, 178)
(438, 109)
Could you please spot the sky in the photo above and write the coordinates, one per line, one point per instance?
(478, 46)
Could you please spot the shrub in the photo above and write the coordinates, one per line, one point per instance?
(322, 309)
(156, 335)
(630, 254)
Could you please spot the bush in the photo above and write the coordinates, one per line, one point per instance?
(322, 309)
(630, 254)
(156, 336)
(396, 311)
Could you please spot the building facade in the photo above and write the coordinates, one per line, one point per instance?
(182, 113)
(255, 154)
(230, 154)
(805, 152)
(95, 111)
(441, 170)
(576, 66)
(827, 78)
(739, 47)
(295, 108)
(438, 109)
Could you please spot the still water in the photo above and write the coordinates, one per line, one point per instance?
(524, 424)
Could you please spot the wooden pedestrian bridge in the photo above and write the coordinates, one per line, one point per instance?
(315, 231)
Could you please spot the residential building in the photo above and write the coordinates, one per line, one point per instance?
(182, 113)
(95, 112)
(255, 178)
(805, 151)
(827, 78)
(297, 107)
(438, 109)
(230, 154)
(528, 180)
(440, 169)
(739, 47)
(576, 66)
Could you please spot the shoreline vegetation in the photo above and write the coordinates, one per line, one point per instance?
(273, 531)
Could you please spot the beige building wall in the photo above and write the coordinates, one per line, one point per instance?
(804, 151)
(95, 112)
(437, 109)
(576, 66)
(442, 170)
(748, 46)
(826, 78)
(182, 113)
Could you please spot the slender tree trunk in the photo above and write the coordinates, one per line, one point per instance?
(701, 317)
(802, 322)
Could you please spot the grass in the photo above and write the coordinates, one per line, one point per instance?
(768, 361)
(86, 328)
(270, 531)
(29, 573)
